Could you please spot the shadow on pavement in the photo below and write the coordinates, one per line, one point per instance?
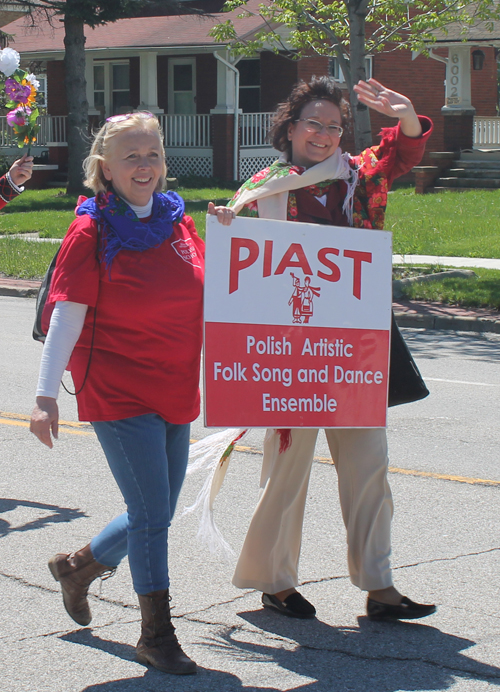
(56, 516)
(85, 637)
(206, 679)
(314, 657)
(388, 657)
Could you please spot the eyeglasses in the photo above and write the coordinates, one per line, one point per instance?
(126, 116)
(315, 126)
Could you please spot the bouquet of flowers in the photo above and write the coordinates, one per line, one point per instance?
(19, 95)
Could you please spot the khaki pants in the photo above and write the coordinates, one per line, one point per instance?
(270, 555)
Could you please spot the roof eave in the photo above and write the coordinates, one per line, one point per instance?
(47, 54)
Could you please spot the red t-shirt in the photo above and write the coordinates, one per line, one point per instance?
(148, 333)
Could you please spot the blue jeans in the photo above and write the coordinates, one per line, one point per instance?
(148, 458)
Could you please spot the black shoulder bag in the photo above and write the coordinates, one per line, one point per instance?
(39, 334)
(405, 381)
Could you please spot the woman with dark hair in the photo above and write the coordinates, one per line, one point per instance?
(313, 181)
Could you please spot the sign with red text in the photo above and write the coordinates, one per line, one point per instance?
(297, 325)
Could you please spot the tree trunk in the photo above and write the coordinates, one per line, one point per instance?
(361, 113)
(76, 94)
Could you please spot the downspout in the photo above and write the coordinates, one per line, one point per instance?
(434, 56)
(437, 57)
(236, 111)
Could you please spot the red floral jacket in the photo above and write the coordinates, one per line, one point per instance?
(378, 167)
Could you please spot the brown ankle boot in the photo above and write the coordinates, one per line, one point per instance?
(75, 573)
(158, 644)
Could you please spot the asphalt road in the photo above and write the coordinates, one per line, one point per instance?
(446, 484)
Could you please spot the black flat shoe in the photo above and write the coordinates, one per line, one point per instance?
(294, 605)
(406, 610)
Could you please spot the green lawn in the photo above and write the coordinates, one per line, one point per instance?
(25, 259)
(480, 291)
(50, 212)
(453, 224)
(465, 224)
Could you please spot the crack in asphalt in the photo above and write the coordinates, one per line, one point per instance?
(239, 597)
(230, 631)
(448, 559)
(306, 582)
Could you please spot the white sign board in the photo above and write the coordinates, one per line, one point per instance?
(297, 324)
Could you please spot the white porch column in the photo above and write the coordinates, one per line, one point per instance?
(226, 95)
(89, 78)
(458, 110)
(458, 93)
(149, 84)
(225, 120)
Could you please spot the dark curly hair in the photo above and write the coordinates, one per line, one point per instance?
(324, 88)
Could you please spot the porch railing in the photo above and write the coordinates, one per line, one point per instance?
(52, 129)
(186, 130)
(6, 135)
(486, 132)
(191, 131)
(254, 128)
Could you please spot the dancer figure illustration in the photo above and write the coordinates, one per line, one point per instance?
(302, 298)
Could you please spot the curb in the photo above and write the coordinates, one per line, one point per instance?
(19, 289)
(450, 322)
(480, 324)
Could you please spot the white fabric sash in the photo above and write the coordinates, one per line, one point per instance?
(272, 196)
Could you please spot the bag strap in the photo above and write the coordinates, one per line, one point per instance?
(75, 393)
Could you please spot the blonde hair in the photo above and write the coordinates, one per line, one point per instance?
(94, 176)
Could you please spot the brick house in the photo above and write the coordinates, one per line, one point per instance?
(171, 66)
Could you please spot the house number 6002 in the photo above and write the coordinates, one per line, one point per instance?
(455, 71)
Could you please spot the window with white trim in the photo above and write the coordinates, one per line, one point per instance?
(336, 71)
(99, 89)
(112, 88)
(41, 94)
(120, 88)
(249, 70)
(182, 86)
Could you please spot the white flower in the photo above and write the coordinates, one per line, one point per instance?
(31, 79)
(9, 61)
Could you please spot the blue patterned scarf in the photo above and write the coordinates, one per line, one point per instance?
(121, 227)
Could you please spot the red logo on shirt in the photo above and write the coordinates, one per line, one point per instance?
(186, 249)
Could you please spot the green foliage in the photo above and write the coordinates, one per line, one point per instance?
(5, 164)
(325, 26)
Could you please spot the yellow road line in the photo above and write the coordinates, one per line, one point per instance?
(21, 416)
(444, 476)
(405, 472)
(20, 420)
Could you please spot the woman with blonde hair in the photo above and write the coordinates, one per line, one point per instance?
(126, 302)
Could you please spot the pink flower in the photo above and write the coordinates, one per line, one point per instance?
(17, 92)
(258, 176)
(18, 116)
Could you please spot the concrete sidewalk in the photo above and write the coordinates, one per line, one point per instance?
(410, 313)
